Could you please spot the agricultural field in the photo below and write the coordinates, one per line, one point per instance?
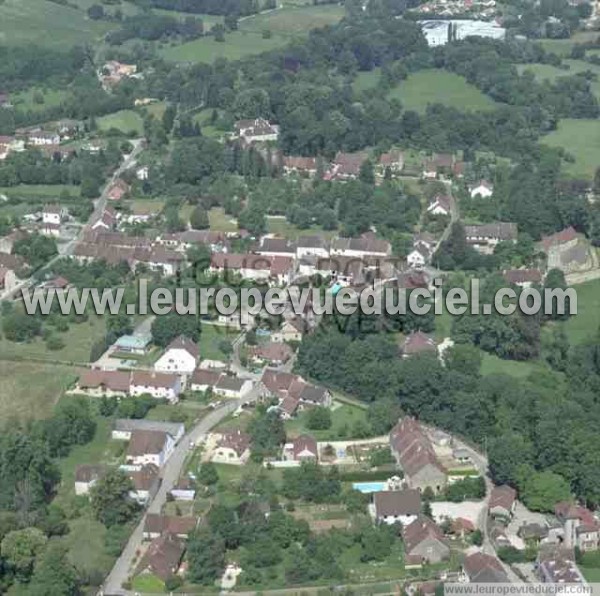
(440, 86)
(586, 323)
(283, 24)
(581, 139)
(126, 121)
(563, 47)
(31, 389)
(38, 192)
(24, 20)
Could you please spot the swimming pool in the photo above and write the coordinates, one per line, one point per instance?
(368, 487)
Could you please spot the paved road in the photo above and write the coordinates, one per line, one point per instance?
(170, 473)
(99, 207)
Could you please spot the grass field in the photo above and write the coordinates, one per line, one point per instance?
(492, 365)
(282, 227)
(39, 192)
(210, 340)
(366, 80)
(26, 100)
(440, 86)
(31, 389)
(563, 47)
(146, 206)
(78, 343)
(45, 23)
(220, 221)
(586, 322)
(125, 121)
(581, 138)
(284, 24)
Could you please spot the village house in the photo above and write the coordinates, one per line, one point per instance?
(277, 270)
(58, 284)
(203, 379)
(146, 482)
(275, 247)
(118, 189)
(133, 344)
(232, 387)
(163, 557)
(232, 448)
(272, 353)
(567, 238)
(440, 205)
(410, 280)
(367, 245)
(149, 447)
(419, 256)
(346, 166)
(53, 214)
(86, 475)
(105, 219)
(418, 343)
(103, 383)
(258, 130)
(485, 237)
(567, 250)
(581, 528)
(502, 503)
(392, 161)
(424, 542)
(290, 330)
(160, 259)
(124, 427)
(441, 164)
(556, 565)
(41, 137)
(482, 189)
(302, 448)
(482, 568)
(183, 241)
(113, 72)
(156, 525)
(180, 357)
(159, 385)
(524, 278)
(299, 165)
(415, 454)
(344, 270)
(142, 173)
(311, 246)
(392, 506)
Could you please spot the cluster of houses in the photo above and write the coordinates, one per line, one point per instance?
(46, 138)
(149, 446)
(452, 8)
(113, 72)
(177, 369)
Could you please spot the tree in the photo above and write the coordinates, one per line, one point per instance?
(367, 173)
(20, 327)
(540, 491)
(206, 557)
(464, 358)
(253, 219)
(199, 219)
(20, 549)
(167, 327)
(319, 418)
(208, 474)
(506, 455)
(110, 499)
(54, 574)
(95, 12)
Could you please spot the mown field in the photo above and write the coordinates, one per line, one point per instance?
(283, 24)
(581, 138)
(31, 389)
(586, 323)
(125, 120)
(427, 87)
(46, 23)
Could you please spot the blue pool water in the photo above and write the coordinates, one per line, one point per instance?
(368, 487)
(335, 288)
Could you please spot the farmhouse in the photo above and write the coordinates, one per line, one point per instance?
(118, 190)
(149, 447)
(233, 448)
(254, 267)
(276, 247)
(272, 353)
(291, 330)
(424, 542)
(367, 245)
(346, 166)
(124, 427)
(181, 357)
(419, 256)
(302, 448)
(99, 383)
(295, 165)
(163, 556)
(485, 237)
(482, 568)
(524, 278)
(53, 214)
(393, 506)
(104, 220)
(311, 246)
(184, 490)
(392, 161)
(415, 454)
(40, 137)
(232, 387)
(581, 528)
(159, 385)
(564, 239)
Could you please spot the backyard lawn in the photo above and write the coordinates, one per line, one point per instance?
(212, 340)
(282, 227)
(344, 420)
(581, 139)
(220, 221)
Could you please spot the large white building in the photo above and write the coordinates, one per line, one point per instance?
(436, 32)
(181, 357)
